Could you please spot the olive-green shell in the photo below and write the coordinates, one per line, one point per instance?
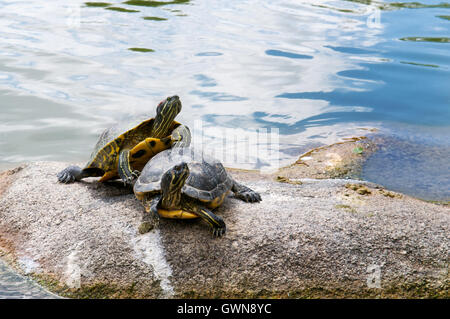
(124, 135)
(207, 181)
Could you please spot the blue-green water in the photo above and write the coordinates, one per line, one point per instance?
(316, 70)
(14, 286)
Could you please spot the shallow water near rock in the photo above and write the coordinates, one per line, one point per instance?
(312, 71)
(14, 286)
(403, 165)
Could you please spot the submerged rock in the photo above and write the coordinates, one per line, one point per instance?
(314, 238)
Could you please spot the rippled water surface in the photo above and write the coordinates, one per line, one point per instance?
(315, 70)
(14, 286)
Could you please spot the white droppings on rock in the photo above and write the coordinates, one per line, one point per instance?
(73, 271)
(148, 248)
(27, 264)
(334, 160)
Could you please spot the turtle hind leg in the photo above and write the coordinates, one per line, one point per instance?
(126, 173)
(74, 173)
(70, 174)
(245, 193)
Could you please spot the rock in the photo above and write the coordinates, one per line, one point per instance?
(317, 238)
(337, 160)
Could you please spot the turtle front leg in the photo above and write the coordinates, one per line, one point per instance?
(245, 193)
(151, 216)
(181, 136)
(216, 222)
(124, 169)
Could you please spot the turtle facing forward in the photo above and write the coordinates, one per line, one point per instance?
(183, 183)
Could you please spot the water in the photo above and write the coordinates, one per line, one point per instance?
(14, 286)
(421, 170)
(315, 70)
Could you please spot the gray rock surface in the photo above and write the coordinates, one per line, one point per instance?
(321, 238)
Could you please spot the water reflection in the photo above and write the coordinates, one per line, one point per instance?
(315, 70)
(141, 50)
(121, 9)
(154, 18)
(427, 39)
(147, 3)
(387, 5)
(97, 4)
(444, 17)
(288, 54)
(14, 286)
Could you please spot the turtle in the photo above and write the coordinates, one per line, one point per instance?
(185, 183)
(123, 149)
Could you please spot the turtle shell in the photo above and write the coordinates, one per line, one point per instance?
(207, 181)
(125, 134)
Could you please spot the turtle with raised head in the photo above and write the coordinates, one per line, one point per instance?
(184, 183)
(124, 149)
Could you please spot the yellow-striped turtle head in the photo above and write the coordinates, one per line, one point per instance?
(166, 112)
(171, 184)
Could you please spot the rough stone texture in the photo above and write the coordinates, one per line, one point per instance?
(339, 160)
(320, 238)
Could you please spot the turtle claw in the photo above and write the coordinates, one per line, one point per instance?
(256, 197)
(246, 197)
(249, 196)
(128, 180)
(69, 174)
(219, 231)
(68, 179)
(246, 194)
(136, 174)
